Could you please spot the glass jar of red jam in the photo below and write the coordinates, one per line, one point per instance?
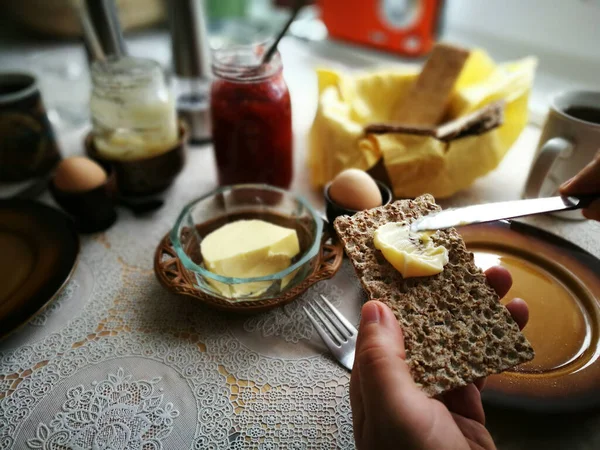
(251, 118)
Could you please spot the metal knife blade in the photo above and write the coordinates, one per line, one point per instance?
(490, 212)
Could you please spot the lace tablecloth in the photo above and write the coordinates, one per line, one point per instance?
(117, 362)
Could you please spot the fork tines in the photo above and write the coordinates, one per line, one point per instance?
(339, 328)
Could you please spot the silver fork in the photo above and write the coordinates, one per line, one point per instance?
(338, 335)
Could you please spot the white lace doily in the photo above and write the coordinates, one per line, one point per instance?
(117, 362)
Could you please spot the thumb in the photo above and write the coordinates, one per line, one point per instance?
(585, 182)
(593, 212)
(385, 379)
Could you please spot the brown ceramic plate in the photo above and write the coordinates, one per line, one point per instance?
(561, 284)
(38, 253)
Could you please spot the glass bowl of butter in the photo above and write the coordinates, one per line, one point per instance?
(248, 242)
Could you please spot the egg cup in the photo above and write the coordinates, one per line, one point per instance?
(144, 177)
(92, 210)
(334, 210)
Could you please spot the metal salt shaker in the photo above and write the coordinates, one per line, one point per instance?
(192, 65)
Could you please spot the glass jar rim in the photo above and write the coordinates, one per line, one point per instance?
(114, 68)
(245, 73)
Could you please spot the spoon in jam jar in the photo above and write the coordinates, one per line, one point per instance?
(271, 51)
(273, 48)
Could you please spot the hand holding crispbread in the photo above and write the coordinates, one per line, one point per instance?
(455, 329)
(388, 407)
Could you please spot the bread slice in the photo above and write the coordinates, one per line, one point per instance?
(478, 122)
(426, 101)
(455, 328)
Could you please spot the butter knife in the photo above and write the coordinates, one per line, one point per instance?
(489, 212)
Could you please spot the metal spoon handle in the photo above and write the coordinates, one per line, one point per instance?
(269, 54)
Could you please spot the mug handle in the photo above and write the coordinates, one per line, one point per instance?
(549, 153)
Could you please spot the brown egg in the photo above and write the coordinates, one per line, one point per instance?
(78, 174)
(355, 189)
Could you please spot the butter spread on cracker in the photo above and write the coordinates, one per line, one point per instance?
(413, 254)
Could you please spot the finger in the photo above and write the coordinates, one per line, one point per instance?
(593, 211)
(586, 181)
(499, 279)
(385, 380)
(476, 434)
(480, 383)
(519, 311)
(465, 401)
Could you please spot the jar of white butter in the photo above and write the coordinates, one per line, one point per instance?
(133, 111)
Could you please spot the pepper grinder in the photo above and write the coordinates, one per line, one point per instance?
(192, 66)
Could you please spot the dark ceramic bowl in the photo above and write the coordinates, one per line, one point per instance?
(147, 176)
(28, 147)
(92, 210)
(334, 210)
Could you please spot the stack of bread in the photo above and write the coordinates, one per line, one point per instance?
(432, 131)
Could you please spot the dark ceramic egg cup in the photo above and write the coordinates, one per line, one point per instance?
(139, 181)
(92, 210)
(334, 210)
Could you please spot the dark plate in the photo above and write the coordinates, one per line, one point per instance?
(38, 253)
(561, 284)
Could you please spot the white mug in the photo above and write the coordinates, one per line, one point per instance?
(569, 141)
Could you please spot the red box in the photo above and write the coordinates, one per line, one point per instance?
(407, 27)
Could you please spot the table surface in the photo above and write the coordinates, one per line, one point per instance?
(118, 362)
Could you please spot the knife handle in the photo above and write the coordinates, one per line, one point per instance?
(585, 200)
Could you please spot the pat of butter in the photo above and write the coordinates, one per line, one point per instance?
(412, 254)
(248, 249)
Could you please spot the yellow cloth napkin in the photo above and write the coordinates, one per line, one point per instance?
(416, 164)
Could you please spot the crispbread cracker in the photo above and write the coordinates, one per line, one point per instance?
(478, 122)
(455, 328)
(426, 101)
